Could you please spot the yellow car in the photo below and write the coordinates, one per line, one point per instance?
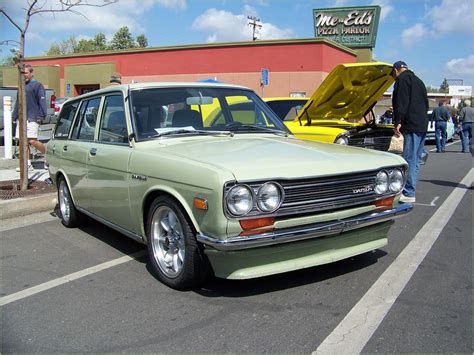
(341, 109)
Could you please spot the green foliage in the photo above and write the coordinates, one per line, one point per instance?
(432, 89)
(142, 41)
(444, 87)
(122, 39)
(66, 46)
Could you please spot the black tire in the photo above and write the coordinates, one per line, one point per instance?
(69, 215)
(177, 258)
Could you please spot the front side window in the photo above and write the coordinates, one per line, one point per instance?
(287, 110)
(65, 120)
(113, 127)
(84, 127)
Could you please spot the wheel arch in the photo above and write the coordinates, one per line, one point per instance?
(61, 174)
(151, 195)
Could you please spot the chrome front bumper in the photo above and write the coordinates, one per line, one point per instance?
(304, 232)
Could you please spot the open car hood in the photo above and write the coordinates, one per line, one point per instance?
(348, 92)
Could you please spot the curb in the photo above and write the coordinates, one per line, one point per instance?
(26, 205)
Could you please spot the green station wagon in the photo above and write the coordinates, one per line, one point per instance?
(236, 195)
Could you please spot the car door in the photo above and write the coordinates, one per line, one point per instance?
(61, 137)
(108, 161)
(75, 151)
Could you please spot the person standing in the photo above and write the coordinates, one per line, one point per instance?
(441, 117)
(466, 130)
(35, 99)
(410, 119)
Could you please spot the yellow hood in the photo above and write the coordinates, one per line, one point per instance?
(348, 92)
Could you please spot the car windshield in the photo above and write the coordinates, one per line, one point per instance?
(169, 112)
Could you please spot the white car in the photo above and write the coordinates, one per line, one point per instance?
(431, 134)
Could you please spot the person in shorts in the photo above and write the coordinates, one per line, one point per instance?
(35, 111)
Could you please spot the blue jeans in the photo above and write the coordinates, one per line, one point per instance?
(440, 134)
(413, 146)
(466, 136)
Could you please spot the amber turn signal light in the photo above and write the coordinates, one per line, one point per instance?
(200, 203)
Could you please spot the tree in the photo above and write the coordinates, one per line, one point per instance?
(122, 39)
(66, 46)
(142, 41)
(32, 7)
(444, 87)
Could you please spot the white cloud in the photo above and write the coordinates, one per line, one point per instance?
(91, 18)
(464, 66)
(173, 4)
(385, 6)
(225, 26)
(452, 16)
(414, 34)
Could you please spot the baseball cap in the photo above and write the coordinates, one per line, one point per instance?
(398, 65)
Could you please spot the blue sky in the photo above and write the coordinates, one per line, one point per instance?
(434, 37)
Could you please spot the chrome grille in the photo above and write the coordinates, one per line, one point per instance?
(324, 194)
(377, 143)
(328, 193)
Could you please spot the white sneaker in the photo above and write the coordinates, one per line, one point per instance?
(30, 168)
(407, 199)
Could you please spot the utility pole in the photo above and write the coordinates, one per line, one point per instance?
(253, 23)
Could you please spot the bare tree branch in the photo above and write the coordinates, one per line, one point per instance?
(10, 19)
(33, 8)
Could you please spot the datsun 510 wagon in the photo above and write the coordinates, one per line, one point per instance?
(236, 195)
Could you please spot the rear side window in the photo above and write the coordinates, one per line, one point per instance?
(84, 127)
(113, 126)
(65, 120)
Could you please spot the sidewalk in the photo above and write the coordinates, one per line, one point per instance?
(16, 204)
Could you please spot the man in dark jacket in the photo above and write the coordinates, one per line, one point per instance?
(441, 116)
(410, 106)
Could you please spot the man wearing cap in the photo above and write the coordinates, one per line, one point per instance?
(410, 119)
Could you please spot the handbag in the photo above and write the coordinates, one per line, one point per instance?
(396, 144)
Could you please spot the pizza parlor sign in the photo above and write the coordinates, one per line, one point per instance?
(349, 26)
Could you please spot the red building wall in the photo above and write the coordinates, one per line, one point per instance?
(296, 65)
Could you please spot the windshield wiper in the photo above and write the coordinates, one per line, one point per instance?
(192, 132)
(247, 128)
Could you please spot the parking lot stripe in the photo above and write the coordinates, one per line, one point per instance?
(68, 278)
(356, 329)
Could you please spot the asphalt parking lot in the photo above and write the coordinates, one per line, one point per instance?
(92, 290)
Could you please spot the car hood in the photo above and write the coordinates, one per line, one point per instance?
(252, 156)
(348, 92)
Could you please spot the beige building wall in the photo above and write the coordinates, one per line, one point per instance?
(280, 83)
(48, 75)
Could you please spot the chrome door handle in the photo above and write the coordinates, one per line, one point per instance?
(93, 151)
(65, 148)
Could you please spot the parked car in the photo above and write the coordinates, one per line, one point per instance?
(234, 195)
(341, 109)
(12, 92)
(58, 103)
(431, 134)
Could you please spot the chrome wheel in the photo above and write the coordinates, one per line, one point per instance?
(167, 241)
(64, 201)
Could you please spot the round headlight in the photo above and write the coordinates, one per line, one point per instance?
(396, 180)
(239, 200)
(342, 140)
(381, 182)
(269, 197)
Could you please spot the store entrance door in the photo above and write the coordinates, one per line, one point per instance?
(83, 89)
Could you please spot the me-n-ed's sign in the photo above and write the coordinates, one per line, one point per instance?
(349, 26)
